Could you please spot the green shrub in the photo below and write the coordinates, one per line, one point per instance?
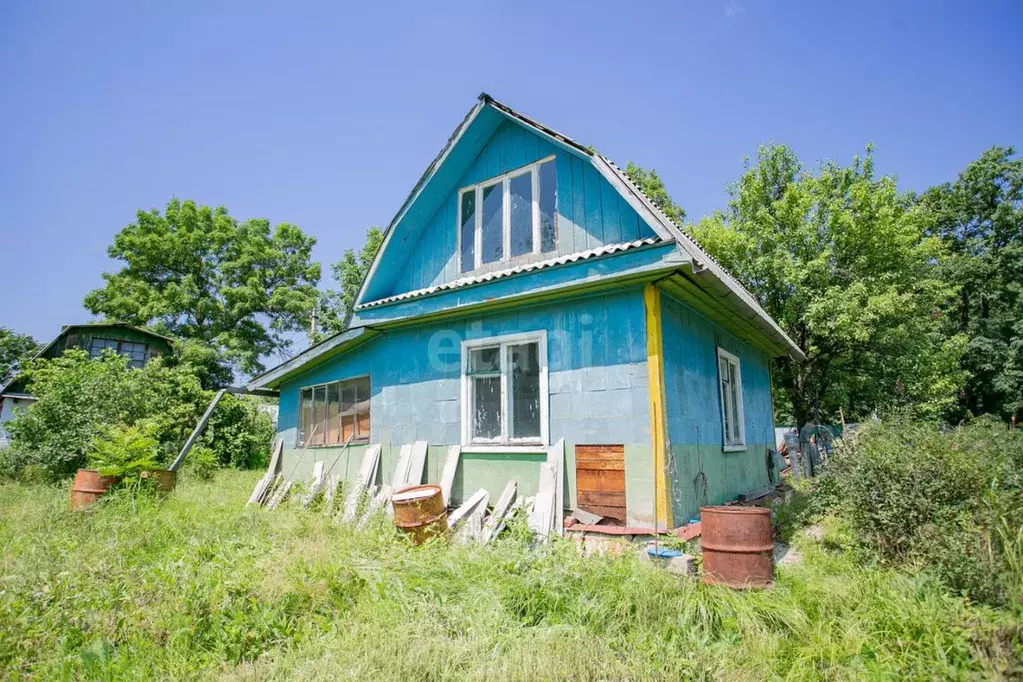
(913, 492)
(202, 462)
(239, 433)
(79, 400)
(126, 451)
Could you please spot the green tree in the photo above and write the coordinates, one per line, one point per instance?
(197, 273)
(979, 217)
(842, 260)
(349, 272)
(652, 185)
(15, 349)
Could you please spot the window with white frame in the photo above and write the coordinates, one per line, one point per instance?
(730, 382)
(504, 390)
(508, 216)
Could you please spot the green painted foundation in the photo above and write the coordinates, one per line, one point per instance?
(725, 476)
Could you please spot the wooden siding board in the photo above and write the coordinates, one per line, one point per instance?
(611, 220)
(601, 480)
(579, 237)
(591, 200)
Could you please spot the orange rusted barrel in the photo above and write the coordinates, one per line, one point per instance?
(420, 512)
(88, 487)
(163, 479)
(737, 547)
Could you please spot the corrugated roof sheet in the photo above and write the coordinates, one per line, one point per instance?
(519, 269)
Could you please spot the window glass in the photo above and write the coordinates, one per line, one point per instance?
(333, 433)
(485, 360)
(305, 414)
(486, 423)
(316, 435)
(731, 399)
(468, 230)
(525, 390)
(97, 346)
(548, 206)
(521, 190)
(362, 407)
(733, 385)
(135, 351)
(492, 231)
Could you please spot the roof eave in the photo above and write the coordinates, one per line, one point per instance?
(312, 356)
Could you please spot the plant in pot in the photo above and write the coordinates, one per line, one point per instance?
(127, 453)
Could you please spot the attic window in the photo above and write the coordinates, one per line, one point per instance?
(508, 216)
(135, 352)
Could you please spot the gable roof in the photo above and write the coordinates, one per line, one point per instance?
(706, 271)
(67, 328)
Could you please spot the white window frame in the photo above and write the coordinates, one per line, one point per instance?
(502, 443)
(736, 443)
(505, 181)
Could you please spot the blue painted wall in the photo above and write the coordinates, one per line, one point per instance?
(590, 211)
(596, 367)
(702, 472)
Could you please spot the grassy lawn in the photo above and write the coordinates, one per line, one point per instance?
(200, 587)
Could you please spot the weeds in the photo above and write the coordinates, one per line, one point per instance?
(198, 586)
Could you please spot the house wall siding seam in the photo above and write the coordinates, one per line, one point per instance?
(702, 472)
(596, 367)
(590, 211)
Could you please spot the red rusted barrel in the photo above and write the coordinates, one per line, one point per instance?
(88, 487)
(420, 512)
(163, 479)
(737, 547)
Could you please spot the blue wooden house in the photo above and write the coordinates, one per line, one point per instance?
(527, 291)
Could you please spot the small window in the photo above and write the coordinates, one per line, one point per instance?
(508, 216)
(135, 352)
(330, 414)
(730, 382)
(505, 391)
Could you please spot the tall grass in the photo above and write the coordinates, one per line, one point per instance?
(198, 586)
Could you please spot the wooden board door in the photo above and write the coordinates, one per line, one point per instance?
(600, 480)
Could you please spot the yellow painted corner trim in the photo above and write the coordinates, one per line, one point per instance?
(658, 419)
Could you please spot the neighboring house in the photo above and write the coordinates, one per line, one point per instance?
(139, 344)
(527, 291)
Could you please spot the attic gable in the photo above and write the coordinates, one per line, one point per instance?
(421, 244)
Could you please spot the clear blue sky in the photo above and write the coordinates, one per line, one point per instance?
(325, 116)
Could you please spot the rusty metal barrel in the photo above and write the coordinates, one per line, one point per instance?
(420, 512)
(737, 548)
(88, 487)
(163, 479)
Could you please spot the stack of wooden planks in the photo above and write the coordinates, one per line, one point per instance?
(355, 501)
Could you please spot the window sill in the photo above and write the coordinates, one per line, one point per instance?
(733, 448)
(507, 449)
(332, 445)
